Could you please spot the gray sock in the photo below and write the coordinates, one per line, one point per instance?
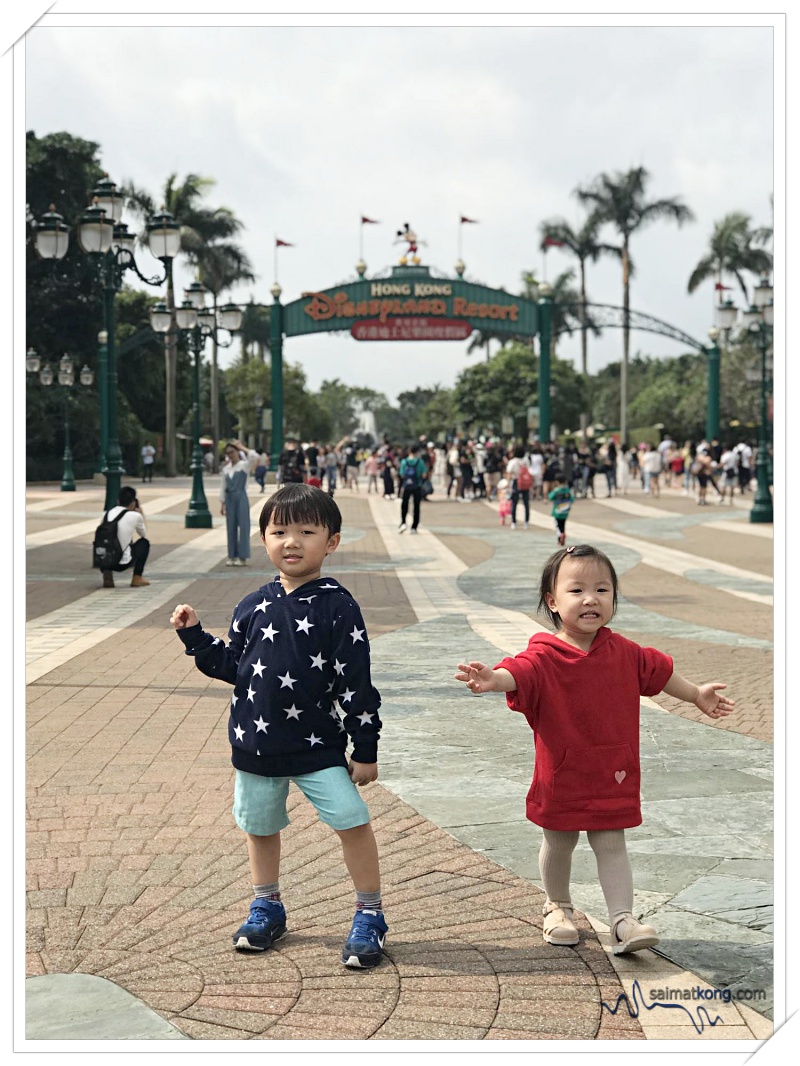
(369, 901)
(270, 892)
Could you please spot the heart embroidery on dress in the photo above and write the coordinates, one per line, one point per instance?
(620, 776)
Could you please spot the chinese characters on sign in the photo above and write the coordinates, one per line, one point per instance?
(411, 329)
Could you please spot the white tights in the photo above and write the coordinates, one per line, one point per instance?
(613, 867)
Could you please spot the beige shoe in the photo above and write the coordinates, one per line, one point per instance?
(138, 582)
(633, 936)
(558, 927)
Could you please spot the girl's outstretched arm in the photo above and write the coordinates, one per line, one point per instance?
(706, 697)
(481, 678)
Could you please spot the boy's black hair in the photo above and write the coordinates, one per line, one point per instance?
(553, 565)
(301, 503)
(127, 494)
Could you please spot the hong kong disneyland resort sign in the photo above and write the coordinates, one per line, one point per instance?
(410, 305)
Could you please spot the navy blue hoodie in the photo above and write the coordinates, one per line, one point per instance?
(292, 658)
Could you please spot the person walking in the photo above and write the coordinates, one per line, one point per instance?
(579, 689)
(412, 472)
(234, 504)
(371, 469)
(262, 467)
(148, 461)
(651, 469)
(623, 469)
(562, 499)
(519, 473)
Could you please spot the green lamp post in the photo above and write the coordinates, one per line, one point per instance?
(712, 388)
(106, 239)
(197, 322)
(66, 379)
(757, 320)
(545, 334)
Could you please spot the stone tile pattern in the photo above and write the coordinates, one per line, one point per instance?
(137, 873)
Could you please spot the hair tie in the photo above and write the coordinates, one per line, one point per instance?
(572, 549)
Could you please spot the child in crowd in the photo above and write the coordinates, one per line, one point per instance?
(579, 689)
(298, 640)
(562, 498)
(503, 500)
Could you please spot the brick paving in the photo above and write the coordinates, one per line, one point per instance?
(137, 873)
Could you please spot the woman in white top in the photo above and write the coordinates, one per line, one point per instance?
(235, 506)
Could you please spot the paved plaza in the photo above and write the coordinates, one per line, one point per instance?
(137, 875)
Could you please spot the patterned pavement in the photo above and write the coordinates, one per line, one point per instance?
(136, 874)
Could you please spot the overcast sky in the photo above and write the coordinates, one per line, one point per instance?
(306, 129)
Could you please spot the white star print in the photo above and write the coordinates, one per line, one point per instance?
(238, 731)
(234, 700)
(365, 718)
(330, 687)
(317, 660)
(262, 606)
(258, 668)
(303, 624)
(329, 586)
(235, 625)
(260, 724)
(313, 740)
(357, 634)
(346, 696)
(286, 681)
(293, 712)
(250, 694)
(215, 641)
(334, 714)
(269, 633)
(341, 727)
(339, 667)
(307, 599)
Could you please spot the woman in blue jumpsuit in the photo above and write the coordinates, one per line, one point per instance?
(235, 507)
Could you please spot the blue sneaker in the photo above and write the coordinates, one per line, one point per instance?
(265, 924)
(364, 945)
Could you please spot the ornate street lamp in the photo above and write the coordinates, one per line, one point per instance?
(66, 379)
(199, 323)
(757, 320)
(103, 237)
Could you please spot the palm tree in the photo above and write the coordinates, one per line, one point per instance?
(584, 245)
(220, 265)
(731, 251)
(199, 224)
(620, 200)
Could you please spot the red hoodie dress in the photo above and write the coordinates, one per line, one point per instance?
(583, 708)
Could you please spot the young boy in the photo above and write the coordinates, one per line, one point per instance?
(296, 648)
(562, 499)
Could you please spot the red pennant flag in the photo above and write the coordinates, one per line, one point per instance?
(370, 221)
(465, 219)
(720, 287)
(551, 242)
(282, 244)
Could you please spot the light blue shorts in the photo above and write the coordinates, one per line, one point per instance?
(259, 803)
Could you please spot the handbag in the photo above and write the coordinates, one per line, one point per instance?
(427, 487)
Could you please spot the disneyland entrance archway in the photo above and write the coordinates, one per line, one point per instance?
(411, 303)
(415, 303)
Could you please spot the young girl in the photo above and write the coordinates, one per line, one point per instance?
(579, 689)
(503, 500)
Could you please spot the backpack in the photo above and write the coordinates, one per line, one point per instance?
(106, 548)
(524, 478)
(409, 471)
